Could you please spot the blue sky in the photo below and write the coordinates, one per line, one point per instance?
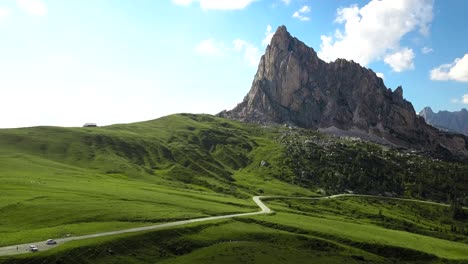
(65, 63)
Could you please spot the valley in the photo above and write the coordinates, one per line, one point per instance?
(233, 131)
(69, 182)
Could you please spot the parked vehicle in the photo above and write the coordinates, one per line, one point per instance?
(51, 242)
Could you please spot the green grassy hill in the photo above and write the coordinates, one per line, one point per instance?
(201, 151)
(71, 181)
(57, 182)
(297, 233)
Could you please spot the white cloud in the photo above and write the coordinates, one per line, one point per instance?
(465, 98)
(4, 12)
(426, 50)
(401, 60)
(381, 75)
(210, 47)
(455, 71)
(304, 9)
(286, 2)
(216, 4)
(462, 100)
(374, 32)
(182, 2)
(268, 35)
(301, 13)
(33, 7)
(213, 48)
(251, 53)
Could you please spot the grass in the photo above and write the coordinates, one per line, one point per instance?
(279, 238)
(265, 180)
(43, 199)
(222, 241)
(73, 181)
(339, 222)
(362, 233)
(401, 215)
(56, 182)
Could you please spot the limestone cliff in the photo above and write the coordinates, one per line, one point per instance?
(456, 121)
(293, 85)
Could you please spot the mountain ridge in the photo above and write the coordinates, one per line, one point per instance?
(294, 86)
(456, 121)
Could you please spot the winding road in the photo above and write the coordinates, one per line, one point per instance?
(24, 248)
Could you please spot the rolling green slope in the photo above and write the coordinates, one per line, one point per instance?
(196, 150)
(289, 236)
(57, 182)
(71, 181)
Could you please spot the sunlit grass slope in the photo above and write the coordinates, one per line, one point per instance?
(56, 182)
(288, 236)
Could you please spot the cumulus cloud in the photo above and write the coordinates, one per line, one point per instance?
(374, 32)
(33, 7)
(216, 4)
(401, 60)
(213, 48)
(462, 100)
(426, 50)
(250, 51)
(465, 98)
(286, 2)
(381, 75)
(301, 14)
(182, 2)
(455, 71)
(268, 35)
(210, 47)
(4, 12)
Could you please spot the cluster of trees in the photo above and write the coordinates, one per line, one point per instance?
(340, 165)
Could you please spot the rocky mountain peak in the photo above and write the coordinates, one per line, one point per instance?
(427, 110)
(456, 121)
(399, 92)
(294, 86)
(281, 38)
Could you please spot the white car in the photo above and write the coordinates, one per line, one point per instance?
(51, 242)
(33, 248)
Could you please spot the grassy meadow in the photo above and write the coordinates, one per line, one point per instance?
(287, 236)
(57, 182)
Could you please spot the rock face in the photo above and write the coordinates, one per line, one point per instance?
(451, 121)
(292, 85)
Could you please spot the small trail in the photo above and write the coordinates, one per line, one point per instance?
(24, 248)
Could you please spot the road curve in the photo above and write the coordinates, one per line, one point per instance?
(24, 248)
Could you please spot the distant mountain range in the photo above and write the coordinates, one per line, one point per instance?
(294, 86)
(450, 121)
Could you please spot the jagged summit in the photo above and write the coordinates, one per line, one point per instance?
(293, 85)
(281, 33)
(427, 109)
(456, 121)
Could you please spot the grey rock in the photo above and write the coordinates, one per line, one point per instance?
(294, 86)
(456, 121)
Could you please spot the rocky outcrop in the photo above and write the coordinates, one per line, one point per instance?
(294, 86)
(456, 121)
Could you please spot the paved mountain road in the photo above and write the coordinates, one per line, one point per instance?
(24, 248)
